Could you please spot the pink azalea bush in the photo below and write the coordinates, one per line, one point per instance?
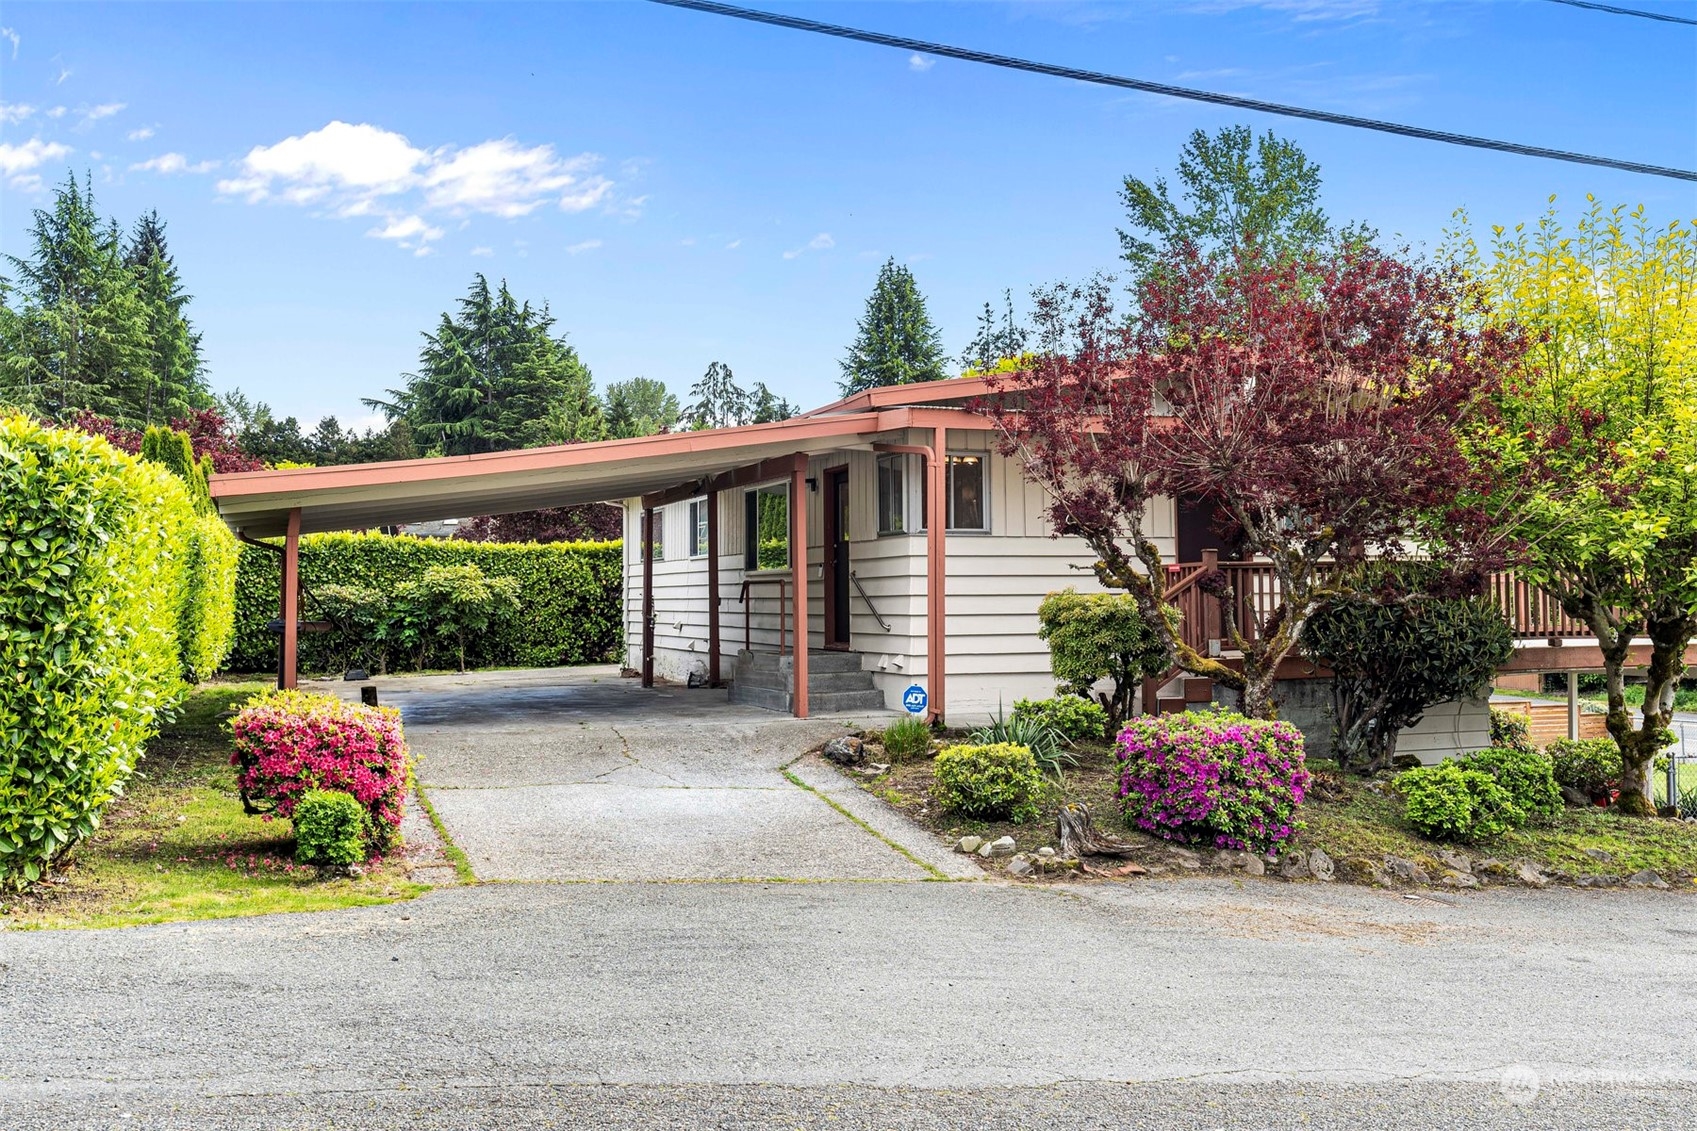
(289, 743)
(1213, 777)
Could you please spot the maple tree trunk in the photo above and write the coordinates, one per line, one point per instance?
(1640, 744)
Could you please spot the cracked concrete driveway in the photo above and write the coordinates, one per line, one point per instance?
(577, 774)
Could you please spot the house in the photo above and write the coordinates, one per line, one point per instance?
(885, 530)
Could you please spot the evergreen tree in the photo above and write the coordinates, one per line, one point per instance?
(493, 377)
(171, 381)
(997, 338)
(640, 406)
(765, 406)
(896, 343)
(79, 334)
(717, 401)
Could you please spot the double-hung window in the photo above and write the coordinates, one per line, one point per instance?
(698, 528)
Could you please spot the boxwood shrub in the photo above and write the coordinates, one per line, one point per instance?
(330, 828)
(1451, 802)
(570, 599)
(1590, 765)
(995, 781)
(1070, 716)
(92, 580)
(1528, 775)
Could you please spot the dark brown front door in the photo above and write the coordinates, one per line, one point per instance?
(1197, 522)
(836, 558)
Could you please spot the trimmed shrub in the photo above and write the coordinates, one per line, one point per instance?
(1100, 637)
(991, 782)
(906, 738)
(206, 619)
(329, 828)
(289, 743)
(1450, 802)
(1590, 765)
(449, 602)
(1213, 777)
(1510, 730)
(91, 580)
(570, 595)
(1074, 718)
(1529, 777)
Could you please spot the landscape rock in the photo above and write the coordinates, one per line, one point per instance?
(1455, 861)
(1001, 846)
(872, 769)
(1491, 866)
(1529, 875)
(1406, 870)
(968, 843)
(1045, 851)
(844, 751)
(1575, 797)
(1294, 866)
(1253, 864)
(1599, 881)
(983, 850)
(1459, 880)
(1320, 865)
(1647, 879)
(1602, 855)
(1185, 858)
(1020, 865)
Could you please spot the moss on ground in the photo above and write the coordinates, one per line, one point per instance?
(178, 846)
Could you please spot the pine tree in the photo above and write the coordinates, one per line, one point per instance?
(896, 343)
(717, 401)
(766, 407)
(997, 339)
(171, 383)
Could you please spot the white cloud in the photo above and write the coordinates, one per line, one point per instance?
(733, 245)
(580, 248)
(918, 62)
(167, 163)
(14, 112)
(11, 37)
(359, 159)
(820, 242)
(19, 159)
(483, 252)
(503, 178)
(104, 110)
(140, 135)
(56, 112)
(406, 231)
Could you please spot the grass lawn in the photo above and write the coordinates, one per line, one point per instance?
(1357, 823)
(178, 846)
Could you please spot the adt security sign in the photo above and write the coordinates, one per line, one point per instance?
(914, 699)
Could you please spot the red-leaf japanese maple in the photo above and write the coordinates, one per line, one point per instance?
(1313, 400)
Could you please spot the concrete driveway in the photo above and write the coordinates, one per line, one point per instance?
(579, 774)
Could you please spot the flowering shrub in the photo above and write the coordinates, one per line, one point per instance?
(291, 742)
(1213, 776)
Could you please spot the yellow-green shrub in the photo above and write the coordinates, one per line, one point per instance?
(92, 571)
(997, 780)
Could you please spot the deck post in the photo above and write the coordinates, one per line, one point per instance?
(798, 567)
(289, 593)
(713, 679)
(1572, 705)
(648, 596)
(1213, 622)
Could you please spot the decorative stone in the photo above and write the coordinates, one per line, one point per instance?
(1455, 861)
(1185, 858)
(1647, 879)
(1020, 865)
(1491, 866)
(1601, 855)
(1321, 866)
(984, 849)
(844, 751)
(1253, 864)
(969, 843)
(1406, 870)
(1294, 866)
(1529, 875)
(1045, 851)
(1002, 846)
(1598, 881)
(1459, 880)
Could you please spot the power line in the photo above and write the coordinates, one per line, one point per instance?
(945, 51)
(1665, 17)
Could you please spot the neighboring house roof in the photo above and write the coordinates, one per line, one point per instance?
(357, 496)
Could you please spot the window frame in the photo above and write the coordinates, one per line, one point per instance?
(901, 462)
(658, 532)
(698, 520)
(751, 524)
(983, 459)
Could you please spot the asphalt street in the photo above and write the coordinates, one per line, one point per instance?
(1205, 1003)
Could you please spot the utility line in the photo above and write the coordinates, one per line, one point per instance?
(945, 51)
(1665, 17)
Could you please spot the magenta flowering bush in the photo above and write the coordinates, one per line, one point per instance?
(1212, 777)
(291, 742)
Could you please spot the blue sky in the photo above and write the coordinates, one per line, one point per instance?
(684, 188)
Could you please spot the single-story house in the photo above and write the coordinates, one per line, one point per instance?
(885, 530)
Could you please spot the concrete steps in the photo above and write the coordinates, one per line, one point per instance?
(836, 683)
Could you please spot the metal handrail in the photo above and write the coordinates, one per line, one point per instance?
(748, 614)
(861, 589)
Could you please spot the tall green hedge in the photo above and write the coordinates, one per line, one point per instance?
(93, 573)
(206, 622)
(570, 598)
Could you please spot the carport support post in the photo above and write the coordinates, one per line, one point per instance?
(798, 581)
(648, 597)
(936, 562)
(289, 594)
(713, 589)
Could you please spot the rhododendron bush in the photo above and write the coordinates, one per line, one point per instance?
(1213, 777)
(291, 742)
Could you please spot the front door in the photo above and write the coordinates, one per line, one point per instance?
(836, 558)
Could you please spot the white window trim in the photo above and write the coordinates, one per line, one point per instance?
(755, 570)
(695, 526)
(949, 502)
(911, 499)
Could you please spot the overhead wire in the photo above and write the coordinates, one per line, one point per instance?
(946, 51)
(1614, 10)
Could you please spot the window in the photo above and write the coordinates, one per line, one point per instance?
(657, 523)
(766, 528)
(968, 509)
(892, 494)
(698, 528)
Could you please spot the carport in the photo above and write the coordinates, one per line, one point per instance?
(287, 503)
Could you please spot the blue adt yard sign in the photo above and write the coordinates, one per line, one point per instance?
(914, 699)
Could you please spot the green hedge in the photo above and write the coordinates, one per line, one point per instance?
(92, 587)
(571, 607)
